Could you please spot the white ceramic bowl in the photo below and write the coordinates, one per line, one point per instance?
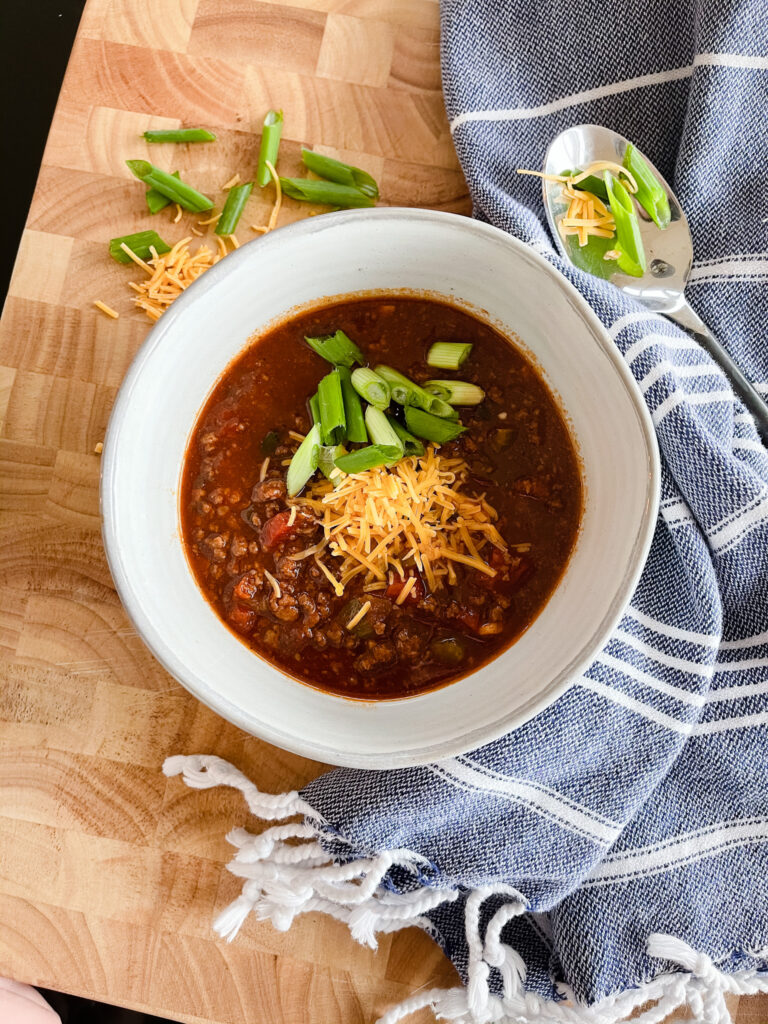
(473, 265)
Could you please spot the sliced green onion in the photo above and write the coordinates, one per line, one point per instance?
(368, 458)
(628, 242)
(591, 184)
(411, 445)
(327, 461)
(237, 197)
(139, 244)
(304, 462)
(179, 135)
(405, 392)
(307, 190)
(381, 430)
(169, 185)
(431, 428)
(271, 131)
(353, 408)
(337, 349)
(332, 419)
(314, 408)
(343, 174)
(448, 355)
(371, 387)
(650, 192)
(156, 201)
(457, 392)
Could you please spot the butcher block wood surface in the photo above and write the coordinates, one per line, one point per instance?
(110, 875)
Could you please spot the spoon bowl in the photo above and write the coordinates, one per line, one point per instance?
(669, 252)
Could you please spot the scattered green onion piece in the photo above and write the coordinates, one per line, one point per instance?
(591, 184)
(457, 392)
(628, 242)
(138, 243)
(156, 201)
(431, 428)
(304, 462)
(443, 409)
(448, 650)
(179, 135)
(307, 190)
(381, 430)
(337, 349)
(368, 458)
(169, 185)
(327, 461)
(237, 197)
(353, 408)
(343, 174)
(650, 192)
(314, 408)
(373, 388)
(270, 442)
(332, 419)
(404, 391)
(448, 355)
(411, 445)
(271, 131)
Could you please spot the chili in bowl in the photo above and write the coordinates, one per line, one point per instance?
(378, 487)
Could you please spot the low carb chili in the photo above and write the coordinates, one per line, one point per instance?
(240, 528)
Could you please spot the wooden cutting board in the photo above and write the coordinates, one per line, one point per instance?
(110, 876)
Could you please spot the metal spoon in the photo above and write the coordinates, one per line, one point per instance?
(669, 253)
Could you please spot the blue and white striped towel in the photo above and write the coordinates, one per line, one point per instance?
(615, 848)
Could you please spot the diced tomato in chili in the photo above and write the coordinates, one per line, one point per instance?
(519, 571)
(278, 529)
(416, 593)
(243, 619)
(469, 619)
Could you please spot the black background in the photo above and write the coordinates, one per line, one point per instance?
(36, 37)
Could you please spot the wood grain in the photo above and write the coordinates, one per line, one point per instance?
(110, 874)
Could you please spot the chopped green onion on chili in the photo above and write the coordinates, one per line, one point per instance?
(404, 391)
(179, 135)
(457, 392)
(448, 355)
(314, 408)
(343, 174)
(431, 428)
(353, 408)
(371, 457)
(304, 462)
(650, 192)
(307, 190)
(411, 445)
(327, 460)
(337, 349)
(156, 201)
(628, 242)
(332, 419)
(271, 131)
(270, 442)
(172, 187)
(139, 244)
(381, 431)
(371, 387)
(237, 197)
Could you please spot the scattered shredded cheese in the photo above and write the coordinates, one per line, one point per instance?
(234, 241)
(339, 589)
(410, 583)
(274, 584)
(106, 309)
(234, 180)
(98, 448)
(292, 516)
(278, 197)
(211, 220)
(264, 468)
(359, 616)
(414, 512)
(177, 218)
(296, 436)
(169, 275)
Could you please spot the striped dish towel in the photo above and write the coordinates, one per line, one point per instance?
(614, 850)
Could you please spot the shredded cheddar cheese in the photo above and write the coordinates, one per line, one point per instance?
(169, 275)
(234, 180)
(274, 584)
(377, 523)
(264, 468)
(106, 309)
(359, 616)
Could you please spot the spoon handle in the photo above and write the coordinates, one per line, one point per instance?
(687, 318)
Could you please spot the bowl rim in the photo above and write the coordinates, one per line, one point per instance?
(311, 748)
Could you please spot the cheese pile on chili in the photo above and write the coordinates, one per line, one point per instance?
(383, 522)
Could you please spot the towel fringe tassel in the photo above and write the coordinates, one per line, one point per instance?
(286, 872)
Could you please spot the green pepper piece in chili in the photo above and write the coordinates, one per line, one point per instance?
(628, 243)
